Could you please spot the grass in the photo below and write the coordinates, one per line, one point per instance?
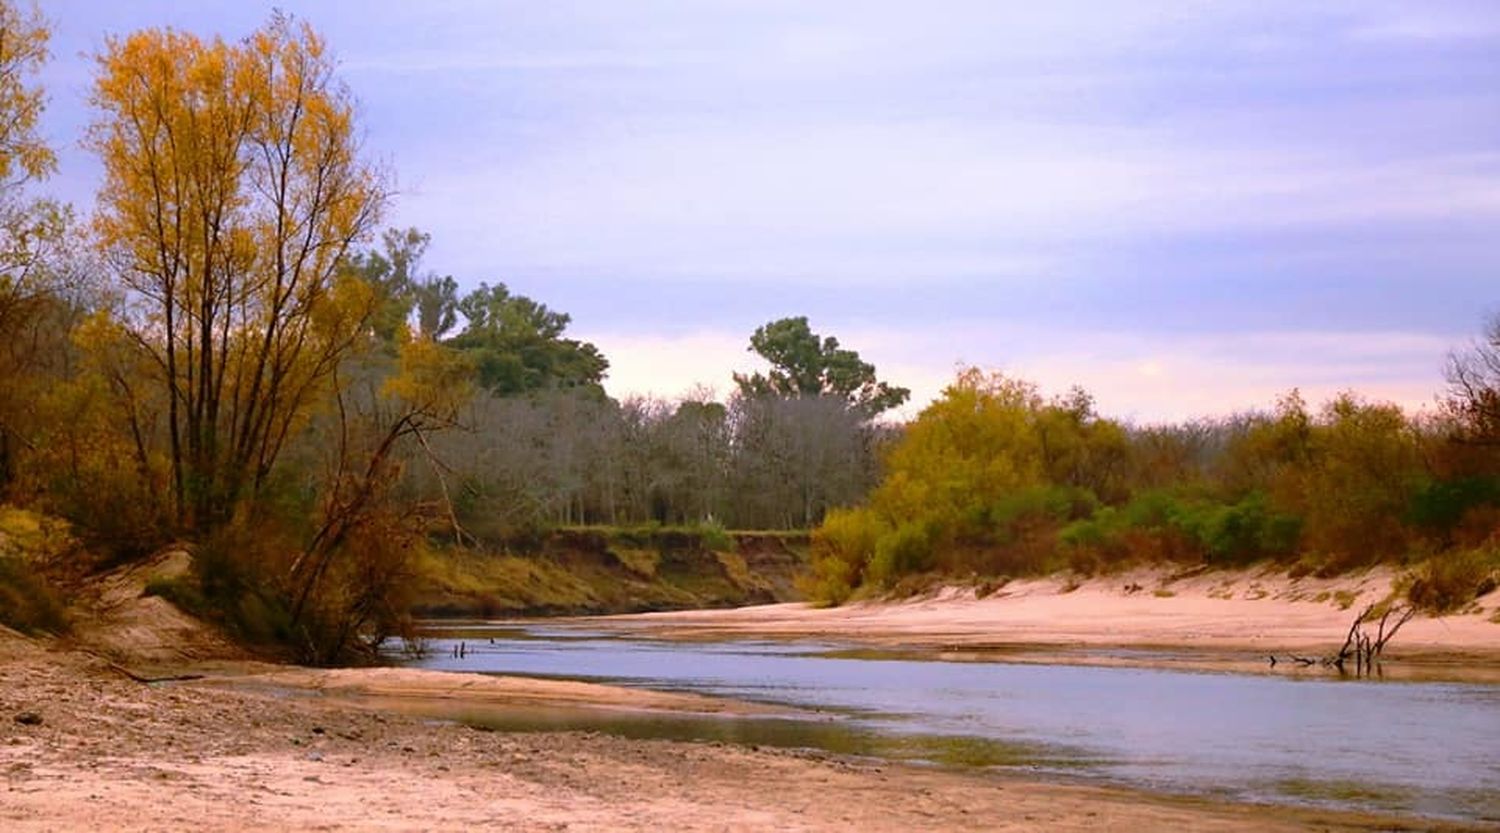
(1163, 594)
(1345, 598)
(642, 562)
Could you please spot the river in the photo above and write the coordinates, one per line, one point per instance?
(1411, 747)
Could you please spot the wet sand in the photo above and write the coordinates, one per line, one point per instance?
(111, 753)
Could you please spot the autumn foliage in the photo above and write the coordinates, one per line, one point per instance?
(993, 479)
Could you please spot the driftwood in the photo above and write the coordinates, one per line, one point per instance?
(1361, 648)
(140, 678)
(171, 678)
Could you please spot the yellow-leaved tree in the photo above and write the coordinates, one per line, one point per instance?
(30, 228)
(234, 188)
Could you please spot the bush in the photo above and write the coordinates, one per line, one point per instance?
(1452, 580)
(714, 537)
(231, 585)
(905, 550)
(840, 551)
(1438, 507)
(1243, 532)
(27, 603)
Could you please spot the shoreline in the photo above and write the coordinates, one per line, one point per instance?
(250, 745)
(114, 754)
(1227, 620)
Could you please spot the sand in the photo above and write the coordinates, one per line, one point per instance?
(1189, 619)
(114, 754)
(258, 747)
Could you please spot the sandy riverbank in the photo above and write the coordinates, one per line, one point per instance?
(113, 754)
(1247, 612)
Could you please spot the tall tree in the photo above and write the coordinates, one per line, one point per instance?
(30, 229)
(519, 346)
(394, 272)
(805, 364)
(232, 193)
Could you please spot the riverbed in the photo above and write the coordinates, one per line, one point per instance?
(1424, 748)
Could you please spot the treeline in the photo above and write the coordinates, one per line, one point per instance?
(542, 445)
(564, 458)
(219, 351)
(993, 479)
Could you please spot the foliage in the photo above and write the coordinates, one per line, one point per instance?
(233, 191)
(805, 364)
(23, 51)
(1450, 581)
(1440, 507)
(27, 603)
(993, 479)
(842, 547)
(518, 346)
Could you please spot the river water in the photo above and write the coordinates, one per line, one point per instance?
(1411, 747)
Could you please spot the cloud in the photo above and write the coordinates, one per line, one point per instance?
(1146, 378)
(1168, 203)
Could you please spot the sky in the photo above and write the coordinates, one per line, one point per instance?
(1187, 208)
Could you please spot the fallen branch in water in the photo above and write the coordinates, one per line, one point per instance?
(1359, 645)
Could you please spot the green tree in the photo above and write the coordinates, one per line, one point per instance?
(517, 344)
(806, 364)
(394, 273)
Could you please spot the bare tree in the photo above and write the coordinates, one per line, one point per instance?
(1474, 386)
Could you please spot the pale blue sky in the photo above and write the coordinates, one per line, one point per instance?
(1187, 207)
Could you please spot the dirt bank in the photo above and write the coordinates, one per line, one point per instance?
(590, 570)
(1246, 612)
(113, 754)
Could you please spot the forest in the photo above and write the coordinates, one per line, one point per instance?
(230, 349)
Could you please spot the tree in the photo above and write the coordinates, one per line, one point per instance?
(1474, 387)
(805, 364)
(518, 344)
(30, 229)
(233, 191)
(24, 155)
(393, 271)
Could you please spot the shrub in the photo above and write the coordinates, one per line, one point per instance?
(840, 551)
(1449, 581)
(904, 550)
(1246, 531)
(27, 603)
(714, 537)
(1437, 507)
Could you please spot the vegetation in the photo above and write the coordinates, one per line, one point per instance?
(225, 355)
(804, 364)
(993, 479)
(614, 570)
(27, 601)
